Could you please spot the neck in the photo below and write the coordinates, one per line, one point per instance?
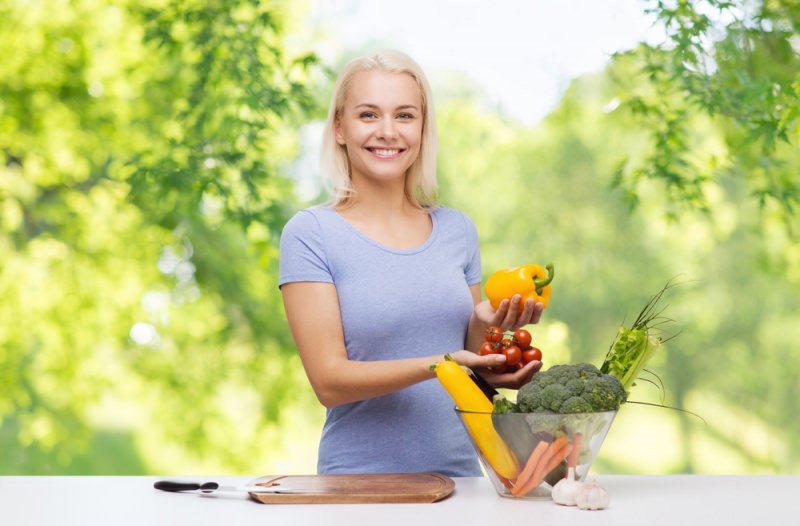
(381, 200)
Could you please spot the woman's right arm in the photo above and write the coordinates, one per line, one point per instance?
(312, 309)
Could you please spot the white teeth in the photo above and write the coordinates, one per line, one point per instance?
(386, 152)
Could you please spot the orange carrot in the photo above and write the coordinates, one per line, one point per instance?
(572, 459)
(554, 451)
(527, 471)
(555, 460)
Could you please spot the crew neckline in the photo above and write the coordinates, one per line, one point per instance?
(403, 251)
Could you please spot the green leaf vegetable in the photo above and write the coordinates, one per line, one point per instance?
(633, 346)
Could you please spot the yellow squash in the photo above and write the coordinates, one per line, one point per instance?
(469, 397)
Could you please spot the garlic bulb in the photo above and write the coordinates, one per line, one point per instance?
(565, 489)
(592, 497)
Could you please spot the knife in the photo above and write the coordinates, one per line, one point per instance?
(214, 487)
(488, 391)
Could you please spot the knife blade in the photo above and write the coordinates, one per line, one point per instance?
(214, 487)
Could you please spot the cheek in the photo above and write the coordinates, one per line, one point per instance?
(416, 137)
(352, 133)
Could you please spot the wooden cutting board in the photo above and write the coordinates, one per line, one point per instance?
(351, 489)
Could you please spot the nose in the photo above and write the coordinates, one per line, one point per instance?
(387, 130)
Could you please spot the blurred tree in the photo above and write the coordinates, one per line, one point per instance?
(140, 207)
(737, 61)
(542, 194)
(141, 198)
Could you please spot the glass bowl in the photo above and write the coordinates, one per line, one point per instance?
(525, 454)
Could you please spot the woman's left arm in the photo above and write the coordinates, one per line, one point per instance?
(509, 316)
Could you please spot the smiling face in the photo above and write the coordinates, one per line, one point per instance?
(380, 125)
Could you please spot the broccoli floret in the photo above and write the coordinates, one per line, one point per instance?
(575, 404)
(529, 397)
(553, 396)
(501, 405)
(604, 393)
(576, 388)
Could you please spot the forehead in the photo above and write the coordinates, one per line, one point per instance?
(383, 88)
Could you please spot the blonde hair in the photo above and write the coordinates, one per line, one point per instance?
(420, 187)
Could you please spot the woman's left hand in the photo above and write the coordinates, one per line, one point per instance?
(510, 314)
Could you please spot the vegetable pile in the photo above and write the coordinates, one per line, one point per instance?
(562, 415)
(548, 443)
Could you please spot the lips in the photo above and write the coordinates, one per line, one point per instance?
(385, 153)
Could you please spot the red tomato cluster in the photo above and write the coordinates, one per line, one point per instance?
(515, 346)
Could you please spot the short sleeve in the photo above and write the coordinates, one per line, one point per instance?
(472, 269)
(302, 251)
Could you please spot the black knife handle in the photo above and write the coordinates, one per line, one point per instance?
(171, 485)
(488, 391)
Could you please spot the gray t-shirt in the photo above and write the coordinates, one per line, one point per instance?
(394, 304)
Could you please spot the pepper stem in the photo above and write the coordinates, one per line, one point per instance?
(542, 283)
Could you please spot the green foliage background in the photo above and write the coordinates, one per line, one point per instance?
(145, 153)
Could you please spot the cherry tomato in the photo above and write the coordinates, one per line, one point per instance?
(531, 354)
(513, 355)
(494, 334)
(487, 348)
(523, 338)
(506, 342)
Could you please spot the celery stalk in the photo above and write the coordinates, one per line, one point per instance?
(635, 345)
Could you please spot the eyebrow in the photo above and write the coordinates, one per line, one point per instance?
(375, 106)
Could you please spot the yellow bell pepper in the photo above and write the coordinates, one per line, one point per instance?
(529, 281)
(469, 397)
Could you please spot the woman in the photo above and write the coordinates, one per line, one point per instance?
(380, 283)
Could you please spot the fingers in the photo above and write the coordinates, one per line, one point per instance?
(514, 313)
(537, 312)
(513, 380)
(526, 315)
(521, 377)
(489, 360)
(526, 373)
(500, 313)
(516, 310)
(509, 311)
(472, 360)
(517, 379)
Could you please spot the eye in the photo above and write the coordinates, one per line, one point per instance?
(406, 116)
(367, 115)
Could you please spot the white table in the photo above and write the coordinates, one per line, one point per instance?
(635, 500)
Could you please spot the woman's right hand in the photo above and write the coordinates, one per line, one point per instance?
(476, 361)
(481, 364)
(511, 380)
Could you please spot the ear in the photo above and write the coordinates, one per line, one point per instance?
(338, 129)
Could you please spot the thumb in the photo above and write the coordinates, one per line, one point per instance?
(489, 360)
